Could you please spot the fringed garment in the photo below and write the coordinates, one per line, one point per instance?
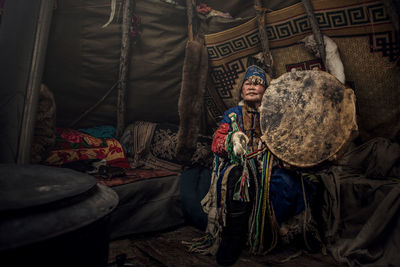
(263, 229)
(274, 189)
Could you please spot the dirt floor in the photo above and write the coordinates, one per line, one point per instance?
(166, 249)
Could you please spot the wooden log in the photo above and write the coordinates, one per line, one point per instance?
(319, 39)
(123, 67)
(263, 36)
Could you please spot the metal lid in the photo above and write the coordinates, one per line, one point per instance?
(26, 186)
(38, 203)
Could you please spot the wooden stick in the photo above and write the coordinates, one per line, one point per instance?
(123, 67)
(263, 36)
(189, 12)
(315, 28)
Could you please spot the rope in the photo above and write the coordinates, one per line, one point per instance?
(262, 9)
(260, 195)
(265, 198)
(262, 209)
(95, 105)
(305, 215)
(274, 224)
(256, 153)
(253, 213)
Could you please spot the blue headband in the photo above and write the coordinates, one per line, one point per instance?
(254, 70)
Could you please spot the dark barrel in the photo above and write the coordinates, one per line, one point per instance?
(52, 216)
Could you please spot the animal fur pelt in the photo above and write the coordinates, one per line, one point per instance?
(191, 99)
(333, 61)
(44, 133)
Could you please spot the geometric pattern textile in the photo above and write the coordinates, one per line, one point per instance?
(306, 65)
(229, 50)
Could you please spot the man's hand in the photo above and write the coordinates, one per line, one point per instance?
(239, 142)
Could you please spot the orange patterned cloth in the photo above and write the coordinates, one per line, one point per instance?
(72, 145)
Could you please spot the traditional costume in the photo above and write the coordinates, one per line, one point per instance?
(250, 196)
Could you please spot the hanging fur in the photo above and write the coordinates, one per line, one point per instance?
(190, 104)
(333, 61)
(44, 133)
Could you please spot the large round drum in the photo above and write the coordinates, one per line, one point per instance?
(307, 117)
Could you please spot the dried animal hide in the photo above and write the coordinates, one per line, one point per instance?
(239, 141)
(190, 105)
(44, 132)
(333, 61)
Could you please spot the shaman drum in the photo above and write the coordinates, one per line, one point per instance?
(307, 117)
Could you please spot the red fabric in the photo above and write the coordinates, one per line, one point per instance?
(72, 145)
(203, 9)
(72, 139)
(218, 143)
(134, 175)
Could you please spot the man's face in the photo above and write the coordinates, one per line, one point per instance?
(252, 92)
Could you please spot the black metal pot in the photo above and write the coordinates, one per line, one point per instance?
(53, 217)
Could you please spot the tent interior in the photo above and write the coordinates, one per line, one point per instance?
(97, 86)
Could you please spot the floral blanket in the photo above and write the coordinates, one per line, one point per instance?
(72, 145)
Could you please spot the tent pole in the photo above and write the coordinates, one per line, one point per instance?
(34, 81)
(123, 67)
(260, 12)
(189, 12)
(315, 29)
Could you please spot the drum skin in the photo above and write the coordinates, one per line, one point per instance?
(307, 117)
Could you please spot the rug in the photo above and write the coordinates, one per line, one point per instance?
(134, 175)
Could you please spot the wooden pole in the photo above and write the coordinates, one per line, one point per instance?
(34, 80)
(189, 12)
(263, 36)
(123, 67)
(315, 29)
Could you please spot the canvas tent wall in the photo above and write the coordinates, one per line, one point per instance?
(82, 60)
